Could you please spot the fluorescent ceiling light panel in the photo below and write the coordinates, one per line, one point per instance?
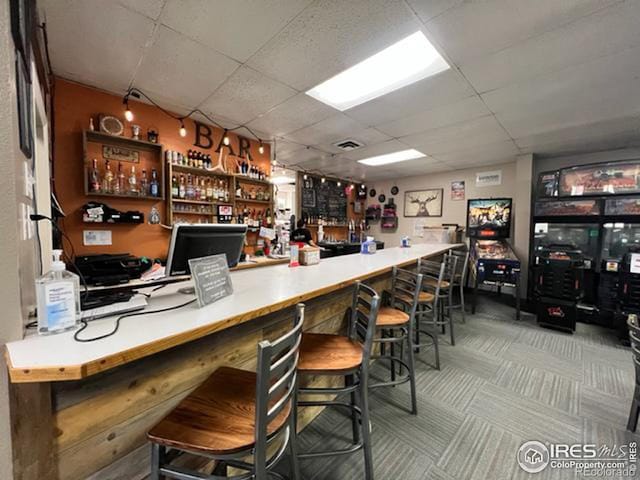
(403, 63)
(394, 157)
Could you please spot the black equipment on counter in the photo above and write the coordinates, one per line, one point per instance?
(96, 212)
(111, 269)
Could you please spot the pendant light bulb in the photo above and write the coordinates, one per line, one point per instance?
(183, 131)
(261, 149)
(323, 180)
(338, 183)
(305, 176)
(128, 114)
(225, 139)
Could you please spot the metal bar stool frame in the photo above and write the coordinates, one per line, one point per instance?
(404, 283)
(434, 271)
(361, 328)
(276, 389)
(439, 273)
(460, 279)
(634, 336)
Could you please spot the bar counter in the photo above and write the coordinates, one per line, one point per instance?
(99, 399)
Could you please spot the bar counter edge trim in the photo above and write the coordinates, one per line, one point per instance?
(93, 367)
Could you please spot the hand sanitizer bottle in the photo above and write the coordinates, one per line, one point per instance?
(58, 296)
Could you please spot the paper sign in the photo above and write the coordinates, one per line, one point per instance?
(418, 227)
(489, 179)
(269, 233)
(635, 263)
(211, 278)
(96, 237)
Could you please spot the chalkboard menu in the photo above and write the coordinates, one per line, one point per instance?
(326, 200)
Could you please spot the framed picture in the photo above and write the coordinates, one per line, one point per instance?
(457, 190)
(423, 203)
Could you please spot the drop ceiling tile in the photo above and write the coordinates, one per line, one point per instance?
(245, 95)
(297, 112)
(467, 109)
(333, 129)
(377, 149)
(299, 157)
(475, 29)
(476, 132)
(95, 43)
(148, 8)
(499, 152)
(284, 147)
(441, 89)
(237, 29)
(608, 134)
(168, 69)
(427, 10)
(605, 88)
(605, 32)
(331, 36)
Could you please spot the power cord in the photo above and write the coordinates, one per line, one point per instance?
(76, 335)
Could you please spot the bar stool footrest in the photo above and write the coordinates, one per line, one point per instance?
(330, 453)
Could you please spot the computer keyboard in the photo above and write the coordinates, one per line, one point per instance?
(135, 303)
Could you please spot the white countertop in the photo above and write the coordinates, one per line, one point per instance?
(256, 292)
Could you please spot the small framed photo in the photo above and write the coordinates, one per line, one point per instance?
(423, 203)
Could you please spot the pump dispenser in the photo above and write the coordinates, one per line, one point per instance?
(58, 297)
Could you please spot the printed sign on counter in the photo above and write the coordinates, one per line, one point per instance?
(635, 263)
(211, 278)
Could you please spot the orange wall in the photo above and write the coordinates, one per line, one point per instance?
(75, 104)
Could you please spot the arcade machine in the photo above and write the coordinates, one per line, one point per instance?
(493, 261)
(565, 245)
(595, 210)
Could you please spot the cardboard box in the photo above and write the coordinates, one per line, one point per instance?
(309, 256)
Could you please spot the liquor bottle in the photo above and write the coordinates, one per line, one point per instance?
(238, 191)
(190, 189)
(203, 190)
(107, 180)
(144, 184)
(182, 189)
(209, 190)
(226, 193)
(120, 181)
(133, 182)
(196, 188)
(220, 196)
(268, 217)
(94, 177)
(154, 186)
(175, 189)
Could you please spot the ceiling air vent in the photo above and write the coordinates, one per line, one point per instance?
(349, 144)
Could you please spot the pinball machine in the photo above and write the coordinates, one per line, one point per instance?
(492, 260)
(594, 212)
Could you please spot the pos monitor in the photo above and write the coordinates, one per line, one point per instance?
(196, 241)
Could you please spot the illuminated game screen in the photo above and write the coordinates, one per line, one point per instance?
(489, 217)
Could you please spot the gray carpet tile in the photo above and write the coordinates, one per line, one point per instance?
(525, 417)
(540, 359)
(557, 343)
(481, 450)
(609, 379)
(602, 407)
(504, 382)
(545, 387)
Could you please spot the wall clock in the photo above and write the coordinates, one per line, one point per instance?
(111, 125)
(372, 192)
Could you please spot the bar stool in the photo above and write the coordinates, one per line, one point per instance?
(634, 335)
(396, 326)
(236, 414)
(348, 357)
(429, 315)
(460, 278)
(444, 285)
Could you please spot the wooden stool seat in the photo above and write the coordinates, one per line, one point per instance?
(320, 352)
(391, 317)
(218, 417)
(433, 282)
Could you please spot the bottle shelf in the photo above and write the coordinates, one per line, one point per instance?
(194, 202)
(200, 214)
(249, 200)
(119, 140)
(121, 195)
(245, 179)
(199, 171)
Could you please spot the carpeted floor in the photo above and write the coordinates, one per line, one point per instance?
(503, 383)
